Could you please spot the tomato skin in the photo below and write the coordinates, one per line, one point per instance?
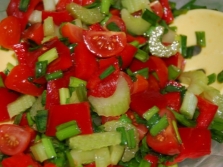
(173, 100)
(176, 60)
(6, 96)
(59, 114)
(104, 43)
(20, 160)
(167, 13)
(157, 8)
(140, 85)
(10, 32)
(72, 32)
(34, 33)
(118, 21)
(17, 136)
(17, 80)
(165, 142)
(152, 159)
(140, 39)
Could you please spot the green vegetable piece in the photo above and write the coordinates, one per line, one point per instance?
(220, 77)
(200, 37)
(41, 120)
(49, 55)
(173, 72)
(159, 126)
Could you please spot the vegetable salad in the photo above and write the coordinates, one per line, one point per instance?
(102, 83)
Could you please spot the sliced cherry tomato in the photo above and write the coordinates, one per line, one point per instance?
(72, 32)
(152, 159)
(34, 33)
(105, 43)
(80, 112)
(6, 96)
(157, 8)
(13, 139)
(96, 27)
(18, 80)
(48, 164)
(20, 160)
(141, 84)
(10, 32)
(58, 16)
(176, 60)
(173, 100)
(167, 13)
(166, 141)
(117, 21)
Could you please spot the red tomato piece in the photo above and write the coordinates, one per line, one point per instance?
(165, 142)
(167, 13)
(152, 159)
(157, 8)
(17, 80)
(140, 39)
(118, 21)
(153, 83)
(80, 112)
(13, 10)
(104, 43)
(10, 32)
(104, 63)
(58, 16)
(96, 27)
(34, 33)
(140, 85)
(72, 32)
(6, 96)
(207, 111)
(173, 100)
(85, 63)
(20, 160)
(176, 60)
(13, 139)
(61, 5)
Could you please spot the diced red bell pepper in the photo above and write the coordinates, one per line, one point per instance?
(58, 16)
(207, 111)
(141, 84)
(59, 114)
(152, 159)
(167, 13)
(173, 100)
(176, 60)
(140, 39)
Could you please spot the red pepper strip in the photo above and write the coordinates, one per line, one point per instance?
(167, 13)
(207, 112)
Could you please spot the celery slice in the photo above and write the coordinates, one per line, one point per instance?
(20, 105)
(88, 16)
(135, 5)
(48, 27)
(128, 152)
(37, 105)
(116, 104)
(94, 141)
(135, 25)
(116, 153)
(83, 157)
(39, 152)
(102, 157)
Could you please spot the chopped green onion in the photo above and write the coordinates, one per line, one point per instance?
(153, 120)
(135, 43)
(123, 135)
(40, 69)
(18, 119)
(126, 119)
(23, 5)
(49, 55)
(43, 98)
(183, 45)
(107, 72)
(188, 4)
(81, 93)
(200, 38)
(54, 75)
(175, 127)
(1, 82)
(220, 77)
(64, 94)
(150, 17)
(179, 12)
(9, 68)
(143, 72)
(68, 130)
(144, 163)
(127, 137)
(75, 82)
(173, 72)
(159, 126)
(112, 26)
(148, 114)
(70, 159)
(141, 55)
(48, 147)
(72, 47)
(211, 78)
(41, 120)
(65, 125)
(190, 52)
(29, 119)
(105, 6)
(217, 135)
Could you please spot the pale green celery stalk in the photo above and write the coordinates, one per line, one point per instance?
(20, 105)
(39, 152)
(129, 153)
(64, 94)
(116, 153)
(102, 157)
(95, 140)
(49, 5)
(49, 55)
(110, 106)
(135, 5)
(35, 17)
(189, 104)
(135, 25)
(88, 16)
(48, 27)
(83, 157)
(37, 105)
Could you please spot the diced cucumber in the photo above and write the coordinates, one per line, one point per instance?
(20, 105)
(88, 16)
(116, 104)
(189, 104)
(116, 153)
(94, 141)
(135, 25)
(83, 157)
(135, 5)
(102, 157)
(128, 152)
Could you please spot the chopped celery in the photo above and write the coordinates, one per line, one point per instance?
(173, 72)
(88, 16)
(116, 153)
(110, 106)
(95, 140)
(48, 27)
(189, 104)
(37, 105)
(135, 5)
(49, 55)
(64, 94)
(83, 157)
(75, 82)
(49, 5)
(102, 157)
(135, 25)
(39, 152)
(20, 105)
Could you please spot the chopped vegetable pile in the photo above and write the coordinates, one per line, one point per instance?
(101, 83)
